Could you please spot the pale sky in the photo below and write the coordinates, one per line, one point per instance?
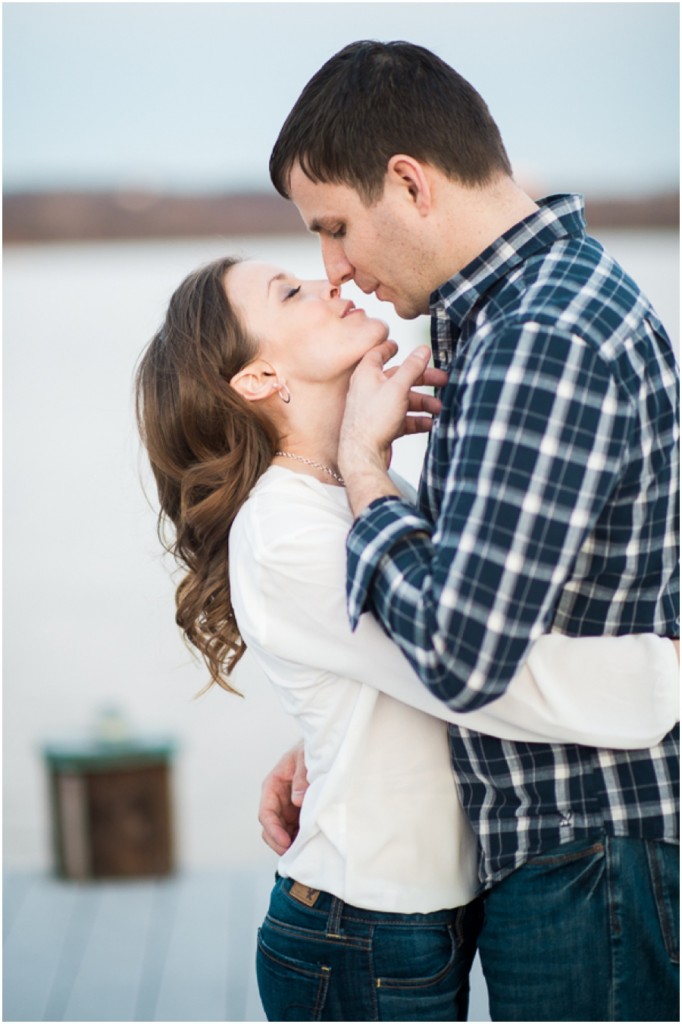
(190, 96)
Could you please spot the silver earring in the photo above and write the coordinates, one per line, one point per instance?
(284, 394)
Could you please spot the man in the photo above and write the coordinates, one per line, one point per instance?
(548, 502)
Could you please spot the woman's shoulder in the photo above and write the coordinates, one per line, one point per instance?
(285, 493)
(286, 507)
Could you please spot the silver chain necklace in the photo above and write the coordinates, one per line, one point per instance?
(309, 462)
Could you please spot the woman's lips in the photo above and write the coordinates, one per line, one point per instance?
(351, 308)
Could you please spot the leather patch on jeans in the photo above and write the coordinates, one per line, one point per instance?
(304, 894)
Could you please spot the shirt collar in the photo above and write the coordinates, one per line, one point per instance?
(557, 217)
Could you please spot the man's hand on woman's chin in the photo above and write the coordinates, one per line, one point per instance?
(381, 406)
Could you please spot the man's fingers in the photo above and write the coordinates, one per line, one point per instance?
(279, 820)
(380, 354)
(277, 839)
(277, 829)
(278, 811)
(431, 377)
(434, 378)
(299, 783)
(418, 424)
(410, 372)
(420, 402)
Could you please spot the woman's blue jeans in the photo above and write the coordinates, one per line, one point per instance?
(331, 961)
(587, 931)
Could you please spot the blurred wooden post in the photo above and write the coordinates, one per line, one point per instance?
(111, 806)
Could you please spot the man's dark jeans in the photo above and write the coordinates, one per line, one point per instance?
(588, 931)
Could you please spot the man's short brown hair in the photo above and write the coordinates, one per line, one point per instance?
(373, 100)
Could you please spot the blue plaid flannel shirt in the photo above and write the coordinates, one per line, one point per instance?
(548, 502)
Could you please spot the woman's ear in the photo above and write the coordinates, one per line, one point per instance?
(256, 382)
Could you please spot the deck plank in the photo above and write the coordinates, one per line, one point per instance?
(110, 972)
(478, 995)
(13, 897)
(84, 909)
(181, 948)
(193, 982)
(263, 883)
(33, 948)
(163, 917)
(249, 897)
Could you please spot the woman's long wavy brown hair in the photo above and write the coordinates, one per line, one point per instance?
(207, 448)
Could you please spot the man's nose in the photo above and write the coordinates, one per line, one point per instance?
(339, 269)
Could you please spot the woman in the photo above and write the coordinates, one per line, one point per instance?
(373, 915)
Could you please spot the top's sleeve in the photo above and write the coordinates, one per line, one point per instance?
(291, 587)
(541, 433)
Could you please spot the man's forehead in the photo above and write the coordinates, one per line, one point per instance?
(320, 197)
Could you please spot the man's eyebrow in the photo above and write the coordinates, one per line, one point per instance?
(319, 224)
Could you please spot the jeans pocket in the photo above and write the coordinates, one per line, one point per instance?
(290, 988)
(426, 954)
(567, 853)
(665, 881)
(429, 975)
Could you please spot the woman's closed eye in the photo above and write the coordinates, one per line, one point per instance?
(293, 291)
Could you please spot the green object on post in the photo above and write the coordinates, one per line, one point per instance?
(111, 806)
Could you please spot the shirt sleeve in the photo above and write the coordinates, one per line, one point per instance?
(296, 618)
(540, 433)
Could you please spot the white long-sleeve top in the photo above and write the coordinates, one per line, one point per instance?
(381, 825)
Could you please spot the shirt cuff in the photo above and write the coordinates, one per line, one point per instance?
(376, 529)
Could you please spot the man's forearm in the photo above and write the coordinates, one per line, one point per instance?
(453, 604)
(366, 482)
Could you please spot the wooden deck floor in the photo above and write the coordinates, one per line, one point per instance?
(177, 949)
(163, 950)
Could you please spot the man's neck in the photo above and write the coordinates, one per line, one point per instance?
(476, 217)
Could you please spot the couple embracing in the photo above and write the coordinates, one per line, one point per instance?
(483, 673)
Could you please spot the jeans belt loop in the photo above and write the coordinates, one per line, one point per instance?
(335, 914)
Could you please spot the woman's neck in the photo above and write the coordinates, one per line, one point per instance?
(311, 431)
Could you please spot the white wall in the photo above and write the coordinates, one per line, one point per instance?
(88, 596)
(88, 599)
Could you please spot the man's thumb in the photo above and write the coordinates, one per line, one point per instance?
(413, 368)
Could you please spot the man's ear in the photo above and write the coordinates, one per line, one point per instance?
(411, 175)
(256, 382)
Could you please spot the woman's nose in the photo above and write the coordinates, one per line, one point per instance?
(327, 289)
